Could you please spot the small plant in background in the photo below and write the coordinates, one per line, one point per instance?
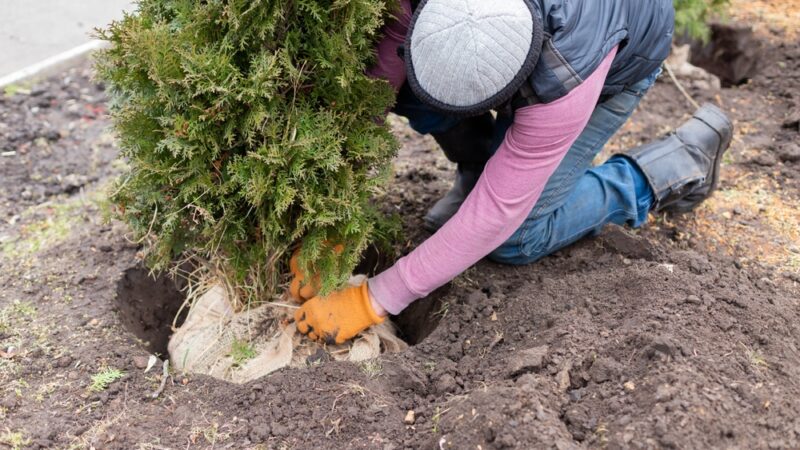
(103, 379)
(250, 126)
(692, 16)
(372, 367)
(436, 419)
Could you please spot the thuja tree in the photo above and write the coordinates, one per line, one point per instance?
(692, 16)
(249, 127)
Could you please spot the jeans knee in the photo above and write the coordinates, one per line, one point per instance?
(527, 246)
(532, 242)
(508, 254)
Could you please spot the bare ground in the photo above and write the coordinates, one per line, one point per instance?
(684, 334)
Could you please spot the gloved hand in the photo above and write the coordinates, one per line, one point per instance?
(300, 289)
(339, 316)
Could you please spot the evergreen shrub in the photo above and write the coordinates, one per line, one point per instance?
(692, 16)
(250, 126)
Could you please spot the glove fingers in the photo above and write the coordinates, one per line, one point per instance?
(295, 290)
(300, 320)
(313, 336)
(307, 292)
(339, 340)
(294, 265)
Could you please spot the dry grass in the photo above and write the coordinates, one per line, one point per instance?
(765, 14)
(754, 220)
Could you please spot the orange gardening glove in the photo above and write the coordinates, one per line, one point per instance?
(300, 289)
(337, 317)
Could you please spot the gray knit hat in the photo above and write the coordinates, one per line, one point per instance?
(470, 56)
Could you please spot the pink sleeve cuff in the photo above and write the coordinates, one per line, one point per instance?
(391, 292)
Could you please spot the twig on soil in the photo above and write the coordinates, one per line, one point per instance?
(680, 86)
(335, 427)
(498, 338)
(164, 376)
(150, 228)
(282, 305)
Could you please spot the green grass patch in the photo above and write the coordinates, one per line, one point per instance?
(13, 312)
(50, 224)
(15, 440)
(102, 380)
(22, 87)
(241, 352)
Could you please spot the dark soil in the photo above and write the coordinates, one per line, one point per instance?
(630, 340)
(52, 140)
(148, 305)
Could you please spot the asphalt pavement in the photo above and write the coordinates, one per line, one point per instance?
(34, 30)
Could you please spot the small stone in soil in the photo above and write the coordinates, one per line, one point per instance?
(694, 300)
(445, 384)
(140, 362)
(279, 430)
(410, 418)
(789, 153)
(528, 360)
(792, 122)
(765, 159)
(562, 378)
(63, 362)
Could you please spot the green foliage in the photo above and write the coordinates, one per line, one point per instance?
(250, 127)
(241, 352)
(104, 378)
(692, 16)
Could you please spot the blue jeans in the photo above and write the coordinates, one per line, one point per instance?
(578, 199)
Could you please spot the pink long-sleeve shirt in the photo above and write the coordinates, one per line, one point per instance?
(506, 192)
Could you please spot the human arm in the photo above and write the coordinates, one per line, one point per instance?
(510, 186)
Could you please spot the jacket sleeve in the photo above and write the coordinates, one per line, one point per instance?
(389, 66)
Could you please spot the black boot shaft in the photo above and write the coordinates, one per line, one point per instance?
(469, 143)
(683, 168)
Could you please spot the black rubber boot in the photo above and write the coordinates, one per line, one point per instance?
(448, 205)
(469, 144)
(683, 167)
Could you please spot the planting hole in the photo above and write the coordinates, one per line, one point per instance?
(733, 53)
(422, 317)
(147, 306)
(417, 321)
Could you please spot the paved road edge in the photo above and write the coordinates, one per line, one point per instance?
(53, 64)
